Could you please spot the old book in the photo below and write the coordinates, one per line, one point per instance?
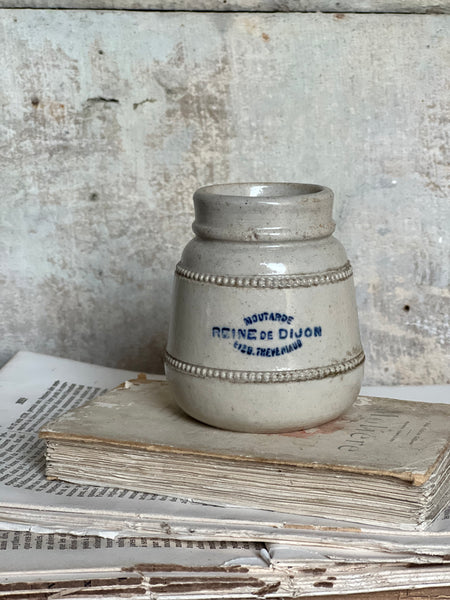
(384, 462)
(61, 566)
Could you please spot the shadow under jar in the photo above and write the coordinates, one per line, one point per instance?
(264, 333)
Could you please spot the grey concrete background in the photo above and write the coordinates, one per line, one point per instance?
(357, 6)
(110, 120)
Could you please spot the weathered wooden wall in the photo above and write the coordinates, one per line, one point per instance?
(110, 120)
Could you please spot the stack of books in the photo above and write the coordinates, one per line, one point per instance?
(143, 501)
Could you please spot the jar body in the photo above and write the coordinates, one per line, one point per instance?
(264, 333)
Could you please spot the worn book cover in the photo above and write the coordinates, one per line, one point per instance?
(381, 455)
(377, 435)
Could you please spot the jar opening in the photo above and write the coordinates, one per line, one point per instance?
(262, 190)
(263, 212)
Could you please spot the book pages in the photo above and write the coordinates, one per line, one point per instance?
(384, 461)
(380, 436)
(88, 566)
(68, 540)
(28, 500)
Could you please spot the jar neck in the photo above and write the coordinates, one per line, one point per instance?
(263, 212)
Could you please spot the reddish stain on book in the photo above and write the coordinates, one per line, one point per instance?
(330, 427)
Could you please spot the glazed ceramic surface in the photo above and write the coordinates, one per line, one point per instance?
(264, 332)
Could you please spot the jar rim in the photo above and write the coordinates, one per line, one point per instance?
(260, 190)
(263, 212)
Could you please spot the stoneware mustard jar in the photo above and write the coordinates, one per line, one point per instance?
(264, 332)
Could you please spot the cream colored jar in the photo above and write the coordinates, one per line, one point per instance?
(264, 332)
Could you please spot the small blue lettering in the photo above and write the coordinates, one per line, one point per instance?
(240, 335)
(243, 348)
(278, 351)
(265, 316)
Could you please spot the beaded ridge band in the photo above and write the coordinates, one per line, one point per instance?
(271, 281)
(266, 376)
